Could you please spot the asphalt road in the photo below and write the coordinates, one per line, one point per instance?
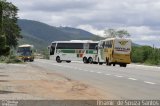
(132, 82)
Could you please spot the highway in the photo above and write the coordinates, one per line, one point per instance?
(132, 82)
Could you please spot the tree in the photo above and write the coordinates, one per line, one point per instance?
(9, 30)
(112, 33)
(3, 49)
(122, 33)
(10, 26)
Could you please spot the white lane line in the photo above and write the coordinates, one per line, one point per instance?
(81, 69)
(85, 70)
(149, 82)
(91, 71)
(99, 72)
(118, 76)
(132, 79)
(108, 74)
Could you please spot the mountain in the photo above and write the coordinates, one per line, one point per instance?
(41, 35)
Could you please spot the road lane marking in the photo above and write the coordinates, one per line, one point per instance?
(99, 72)
(91, 71)
(132, 79)
(108, 74)
(81, 69)
(118, 76)
(149, 82)
(85, 70)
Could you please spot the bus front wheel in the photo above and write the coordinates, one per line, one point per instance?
(58, 59)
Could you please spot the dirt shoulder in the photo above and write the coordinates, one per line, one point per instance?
(24, 81)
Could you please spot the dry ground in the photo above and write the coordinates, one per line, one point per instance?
(28, 82)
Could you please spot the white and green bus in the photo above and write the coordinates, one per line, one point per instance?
(74, 50)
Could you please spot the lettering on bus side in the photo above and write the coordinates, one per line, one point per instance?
(122, 49)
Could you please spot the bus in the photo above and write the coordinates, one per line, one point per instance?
(114, 51)
(25, 52)
(73, 50)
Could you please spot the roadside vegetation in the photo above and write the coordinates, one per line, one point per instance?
(145, 55)
(44, 54)
(11, 58)
(9, 32)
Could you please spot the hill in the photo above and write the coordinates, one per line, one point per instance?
(41, 35)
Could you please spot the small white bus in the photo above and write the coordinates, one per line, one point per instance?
(74, 50)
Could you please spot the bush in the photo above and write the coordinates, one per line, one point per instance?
(146, 54)
(10, 59)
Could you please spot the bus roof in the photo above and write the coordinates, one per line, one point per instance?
(76, 41)
(25, 45)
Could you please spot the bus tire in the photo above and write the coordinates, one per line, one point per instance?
(58, 59)
(68, 61)
(99, 62)
(90, 60)
(85, 60)
(123, 65)
(114, 64)
(31, 60)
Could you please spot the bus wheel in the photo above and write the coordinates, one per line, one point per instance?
(90, 60)
(85, 60)
(114, 64)
(68, 61)
(58, 59)
(31, 60)
(123, 65)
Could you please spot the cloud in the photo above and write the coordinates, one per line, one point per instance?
(139, 17)
(92, 29)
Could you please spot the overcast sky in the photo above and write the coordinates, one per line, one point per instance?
(140, 17)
